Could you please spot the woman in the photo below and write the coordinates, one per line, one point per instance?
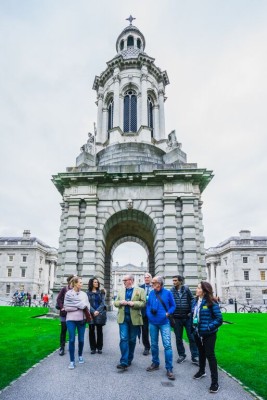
(76, 303)
(207, 318)
(96, 299)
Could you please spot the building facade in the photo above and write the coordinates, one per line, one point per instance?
(26, 264)
(237, 268)
(131, 181)
(119, 271)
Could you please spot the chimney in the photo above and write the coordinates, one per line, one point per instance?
(245, 234)
(26, 234)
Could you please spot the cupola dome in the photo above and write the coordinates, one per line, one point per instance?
(131, 41)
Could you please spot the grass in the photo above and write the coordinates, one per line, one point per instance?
(24, 340)
(241, 349)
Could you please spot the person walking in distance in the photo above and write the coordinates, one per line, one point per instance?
(206, 319)
(62, 315)
(160, 305)
(147, 286)
(182, 315)
(129, 302)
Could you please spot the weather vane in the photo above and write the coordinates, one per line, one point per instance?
(130, 19)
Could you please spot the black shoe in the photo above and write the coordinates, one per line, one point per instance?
(146, 352)
(99, 351)
(199, 375)
(153, 367)
(61, 352)
(214, 388)
(181, 359)
(93, 351)
(195, 360)
(170, 375)
(122, 367)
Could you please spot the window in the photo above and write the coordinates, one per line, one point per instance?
(246, 275)
(7, 289)
(40, 273)
(139, 43)
(121, 45)
(225, 261)
(247, 295)
(23, 272)
(150, 114)
(24, 258)
(10, 258)
(245, 260)
(262, 275)
(261, 259)
(110, 113)
(130, 111)
(130, 41)
(9, 272)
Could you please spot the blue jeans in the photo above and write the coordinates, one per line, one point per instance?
(180, 324)
(165, 331)
(72, 325)
(128, 333)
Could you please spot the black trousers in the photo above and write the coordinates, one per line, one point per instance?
(63, 334)
(96, 336)
(145, 333)
(206, 350)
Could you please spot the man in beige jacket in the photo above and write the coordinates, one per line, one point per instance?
(129, 302)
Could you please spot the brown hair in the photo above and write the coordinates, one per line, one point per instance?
(207, 292)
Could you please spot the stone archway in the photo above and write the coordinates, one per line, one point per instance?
(125, 226)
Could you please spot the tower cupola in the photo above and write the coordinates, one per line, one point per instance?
(131, 41)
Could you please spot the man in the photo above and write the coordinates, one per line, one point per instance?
(45, 300)
(160, 305)
(62, 315)
(129, 301)
(147, 286)
(183, 299)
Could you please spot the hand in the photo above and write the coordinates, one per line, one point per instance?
(130, 303)
(123, 303)
(167, 314)
(96, 313)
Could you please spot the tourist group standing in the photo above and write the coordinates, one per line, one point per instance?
(151, 309)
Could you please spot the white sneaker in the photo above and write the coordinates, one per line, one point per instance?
(71, 365)
(81, 360)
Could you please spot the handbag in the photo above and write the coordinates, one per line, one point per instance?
(87, 314)
(170, 317)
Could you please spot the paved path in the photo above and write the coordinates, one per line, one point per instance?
(98, 378)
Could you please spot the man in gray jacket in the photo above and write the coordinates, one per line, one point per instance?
(183, 299)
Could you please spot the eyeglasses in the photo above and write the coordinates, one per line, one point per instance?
(154, 283)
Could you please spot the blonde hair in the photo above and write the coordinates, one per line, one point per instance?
(74, 280)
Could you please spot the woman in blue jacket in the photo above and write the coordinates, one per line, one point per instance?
(207, 318)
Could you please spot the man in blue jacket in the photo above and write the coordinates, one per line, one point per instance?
(160, 305)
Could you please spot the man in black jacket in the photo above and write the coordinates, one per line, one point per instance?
(147, 286)
(183, 298)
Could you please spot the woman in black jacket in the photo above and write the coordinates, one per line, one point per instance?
(207, 318)
(96, 299)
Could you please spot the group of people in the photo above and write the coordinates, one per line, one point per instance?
(150, 309)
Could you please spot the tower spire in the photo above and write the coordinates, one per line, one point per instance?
(130, 19)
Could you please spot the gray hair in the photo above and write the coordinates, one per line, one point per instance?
(131, 277)
(159, 280)
(148, 274)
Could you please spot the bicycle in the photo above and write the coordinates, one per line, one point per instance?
(248, 308)
(222, 308)
(262, 308)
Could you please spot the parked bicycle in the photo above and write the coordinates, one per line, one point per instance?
(246, 308)
(222, 308)
(263, 308)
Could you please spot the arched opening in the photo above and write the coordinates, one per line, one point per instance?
(110, 113)
(150, 114)
(139, 43)
(130, 41)
(130, 111)
(121, 45)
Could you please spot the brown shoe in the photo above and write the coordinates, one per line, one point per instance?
(153, 367)
(170, 375)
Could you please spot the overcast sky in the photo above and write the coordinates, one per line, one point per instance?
(215, 54)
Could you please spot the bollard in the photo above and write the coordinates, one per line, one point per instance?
(235, 302)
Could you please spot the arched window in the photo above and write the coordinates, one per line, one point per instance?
(150, 114)
(121, 45)
(130, 111)
(139, 43)
(130, 41)
(110, 113)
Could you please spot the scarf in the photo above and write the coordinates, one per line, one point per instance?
(76, 299)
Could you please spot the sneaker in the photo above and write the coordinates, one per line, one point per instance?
(170, 375)
(71, 365)
(214, 388)
(181, 359)
(81, 360)
(199, 375)
(123, 367)
(153, 367)
(195, 360)
(61, 352)
(93, 351)
(146, 352)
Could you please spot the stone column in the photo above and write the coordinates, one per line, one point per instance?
(52, 274)
(170, 238)
(89, 246)
(161, 115)
(71, 242)
(212, 275)
(144, 116)
(99, 137)
(219, 280)
(62, 241)
(156, 122)
(104, 125)
(116, 115)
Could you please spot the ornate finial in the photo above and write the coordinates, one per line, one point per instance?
(130, 19)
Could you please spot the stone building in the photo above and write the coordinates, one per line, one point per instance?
(26, 263)
(131, 181)
(237, 268)
(119, 271)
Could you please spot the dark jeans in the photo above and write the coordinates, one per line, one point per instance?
(72, 326)
(63, 334)
(206, 349)
(96, 336)
(128, 333)
(180, 324)
(145, 333)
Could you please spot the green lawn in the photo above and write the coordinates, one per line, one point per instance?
(24, 340)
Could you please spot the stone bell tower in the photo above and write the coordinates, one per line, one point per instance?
(131, 182)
